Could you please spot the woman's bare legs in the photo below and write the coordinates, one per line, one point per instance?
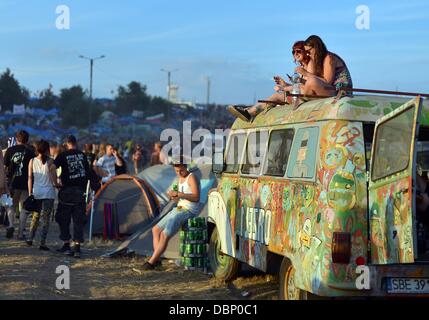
(248, 113)
(316, 86)
(257, 108)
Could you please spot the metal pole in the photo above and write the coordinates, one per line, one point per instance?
(91, 61)
(91, 71)
(169, 85)
(91, 218)
(398, 93)
(90, 90)
(208, 92)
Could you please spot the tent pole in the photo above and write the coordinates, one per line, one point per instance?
(87, 192)
(91, 220)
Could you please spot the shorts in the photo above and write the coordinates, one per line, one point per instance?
(172, 222)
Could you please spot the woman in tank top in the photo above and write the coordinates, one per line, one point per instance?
(42, 179)
(326, 73)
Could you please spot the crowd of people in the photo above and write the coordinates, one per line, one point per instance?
(44, 178)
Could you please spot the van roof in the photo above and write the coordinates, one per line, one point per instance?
(365, 108)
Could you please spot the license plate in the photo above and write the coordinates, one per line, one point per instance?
(408, 285)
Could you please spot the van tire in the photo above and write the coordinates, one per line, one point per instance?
(224, 267)
(287, 290)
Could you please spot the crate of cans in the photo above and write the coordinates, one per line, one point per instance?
(193, 244)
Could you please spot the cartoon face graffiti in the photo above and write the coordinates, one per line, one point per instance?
(342, 191)
(334, 156)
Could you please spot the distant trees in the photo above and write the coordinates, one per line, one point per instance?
(74, 102)
(11, 92)
(134, 97)
(159, 105)
(74, 106)
(47, 99)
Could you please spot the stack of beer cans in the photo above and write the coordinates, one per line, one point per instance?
(193, 244)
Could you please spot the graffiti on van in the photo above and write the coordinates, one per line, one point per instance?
(304, 214)
(328, 216)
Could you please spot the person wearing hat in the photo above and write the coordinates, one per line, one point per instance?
(71, 196)
(187, 197)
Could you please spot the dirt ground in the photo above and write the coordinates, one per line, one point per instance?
(28, 273)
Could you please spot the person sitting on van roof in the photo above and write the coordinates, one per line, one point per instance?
(327, 73)
(324, 72)
(247, 114)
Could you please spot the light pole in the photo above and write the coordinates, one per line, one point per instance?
(169, 87)
(91, 67)
(208, 92)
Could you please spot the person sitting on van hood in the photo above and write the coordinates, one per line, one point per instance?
(247, 114)
(187, 198)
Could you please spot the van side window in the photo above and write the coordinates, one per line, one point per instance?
(255, 152)
(278, 152)
(235, 151)
(302, 162)
(392, 145)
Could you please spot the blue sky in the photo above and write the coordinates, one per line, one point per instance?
(239, 44)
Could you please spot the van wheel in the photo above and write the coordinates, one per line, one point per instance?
(288, 290)
(223, 266)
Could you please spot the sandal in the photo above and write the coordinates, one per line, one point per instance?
(240, 113)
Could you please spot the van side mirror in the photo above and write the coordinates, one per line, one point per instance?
(218, 164)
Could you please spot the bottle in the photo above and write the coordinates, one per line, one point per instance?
(296, 86)
(175, 187)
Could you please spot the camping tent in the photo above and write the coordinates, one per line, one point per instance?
(141, 242)
(132, 200)
(159, 178)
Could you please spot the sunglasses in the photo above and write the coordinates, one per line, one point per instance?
(297, 51)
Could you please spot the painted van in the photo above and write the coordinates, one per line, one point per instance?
(317, 192)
